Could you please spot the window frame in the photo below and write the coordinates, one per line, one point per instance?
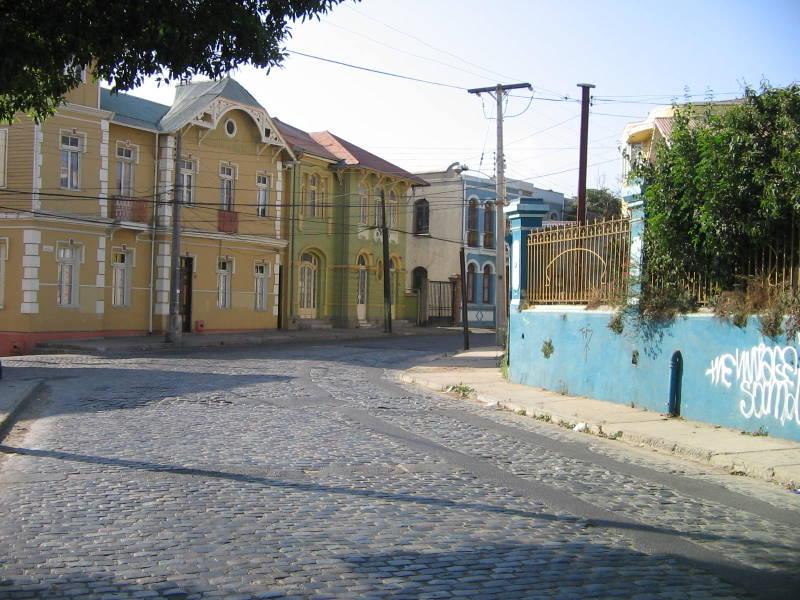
(312, 200)
(488, 273)
(73, 261)
(227, 197)
(72, 153)
(186, 173)
(262, 194)
(363, 205)
(422, 208)
(131, 162)
(260, 286)
(125, 270)
(224, 282)
(471, 273)
(378, 202)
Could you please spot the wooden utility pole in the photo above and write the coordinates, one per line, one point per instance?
(500, 296)
(387, 284)
(464, 314)
(584, 144)
(174, 325)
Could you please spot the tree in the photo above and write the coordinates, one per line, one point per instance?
(725, 187)
(45, 45)
(600, 204)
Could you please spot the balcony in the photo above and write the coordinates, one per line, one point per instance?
(133, 210)
(488, 239)
(473, 238)
(227, 221)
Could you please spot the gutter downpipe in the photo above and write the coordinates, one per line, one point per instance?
(153, 237)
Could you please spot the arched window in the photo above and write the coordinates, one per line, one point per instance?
(488, 225)
(471, 283)
(361, 298)
(421, 216)
(393, 281)
(418, 277)
(363, 205)
(472, 223)
(392, 209)
(377, 200)
(487, 284)
(311, 195)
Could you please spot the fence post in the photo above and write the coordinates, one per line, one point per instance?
(524, 215)
(636, 208)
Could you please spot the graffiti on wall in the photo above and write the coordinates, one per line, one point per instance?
(767, 376)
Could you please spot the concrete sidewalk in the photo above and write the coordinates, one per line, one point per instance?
(477, 370)
(155, 342)
(14, 396)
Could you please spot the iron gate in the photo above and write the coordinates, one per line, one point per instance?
(440, 300)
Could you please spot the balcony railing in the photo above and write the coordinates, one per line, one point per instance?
(473, 238)
(135, 210)
(227, 221)
(488, 239)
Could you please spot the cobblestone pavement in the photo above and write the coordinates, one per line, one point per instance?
(308, 472)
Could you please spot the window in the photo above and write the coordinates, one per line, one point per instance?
(227, 174)
(224, 272)
(488, 225)
(393, 209)
(419, 277)
(68, 257)
(70, 161)
(309, 266)
(186, 181)
(311, 196)
(421, 217)
(3, 155)
(122, 271)
(3, 257)
(262, 195)
(471, 283)
(472, 224)
(487, 284)
(126, 158)
(378, 199)
(363, 205)
(230, 127)
(261, 286)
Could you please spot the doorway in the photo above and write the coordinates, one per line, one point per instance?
(187, 270)
(309, 279)
(361, 293)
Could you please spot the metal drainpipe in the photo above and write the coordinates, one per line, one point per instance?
(153, 237)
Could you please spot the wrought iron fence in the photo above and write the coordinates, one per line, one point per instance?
(579, 264)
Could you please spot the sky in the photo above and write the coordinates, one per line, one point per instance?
(638, 54)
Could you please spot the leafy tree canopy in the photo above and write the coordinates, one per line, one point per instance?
(725, 186)
(44, 45)
(601, 203)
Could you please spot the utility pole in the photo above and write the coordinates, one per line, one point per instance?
(464, 312)
(501, 291)
(585, 87)
(387, 284)
(174, 326)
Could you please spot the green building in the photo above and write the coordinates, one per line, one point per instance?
(335, 191)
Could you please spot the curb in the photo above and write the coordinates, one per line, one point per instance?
(733, 464)
(21, 394)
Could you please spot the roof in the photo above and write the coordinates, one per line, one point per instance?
(664, 126)
(193, 98)
(301, 140)
(131, 110)
(355, 155)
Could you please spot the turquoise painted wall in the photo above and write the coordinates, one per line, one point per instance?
(732, 377)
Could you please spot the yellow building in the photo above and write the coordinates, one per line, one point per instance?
(86, 214)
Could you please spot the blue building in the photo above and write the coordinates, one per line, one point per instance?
(480, 238)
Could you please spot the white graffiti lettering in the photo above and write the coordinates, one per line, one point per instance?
(769, 378)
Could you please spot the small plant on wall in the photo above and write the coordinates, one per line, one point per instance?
(616, 323)
(547, 348)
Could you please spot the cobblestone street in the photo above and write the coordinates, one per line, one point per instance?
(309, 472)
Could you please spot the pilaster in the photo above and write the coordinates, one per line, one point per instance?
(525, 215)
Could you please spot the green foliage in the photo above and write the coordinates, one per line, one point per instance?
(548, 348)
(601, 203)
(616, 323)
(44, 45)
(724, 188)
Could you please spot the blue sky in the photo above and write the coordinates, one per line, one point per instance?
(627, 49)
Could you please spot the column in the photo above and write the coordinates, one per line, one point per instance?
(525, 214)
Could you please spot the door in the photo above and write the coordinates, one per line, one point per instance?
(361, 293)
(309, 279)
(187, 269)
